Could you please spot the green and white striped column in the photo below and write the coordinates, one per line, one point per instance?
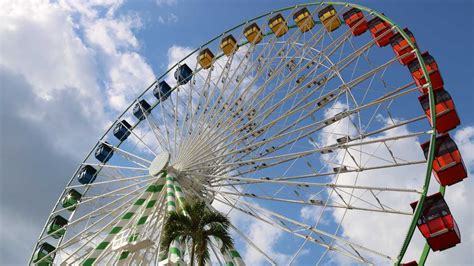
(231, 257)
(236, 258)
(179, 194)
(174, 255)
(150, 191)
(228, 259)
(139, 226)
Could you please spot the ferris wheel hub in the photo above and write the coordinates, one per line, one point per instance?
(159, 163)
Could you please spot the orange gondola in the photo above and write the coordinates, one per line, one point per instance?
(448, 166)
(381, 31)
(436, 223)
(433, 72)
(446, 115)
(355, 19)
(402, 49)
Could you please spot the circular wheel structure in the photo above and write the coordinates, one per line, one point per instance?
(303, 119)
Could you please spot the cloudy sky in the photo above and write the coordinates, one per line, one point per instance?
(67, 68)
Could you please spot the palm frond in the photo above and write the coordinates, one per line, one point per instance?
(195, 223)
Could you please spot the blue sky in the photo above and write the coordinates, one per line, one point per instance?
(443, 30)
(62, 63)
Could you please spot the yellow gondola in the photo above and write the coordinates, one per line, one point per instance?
(229, 45)
(205, 58)
(278, 25)
(329, 18)
(303, 19)
(253, 33)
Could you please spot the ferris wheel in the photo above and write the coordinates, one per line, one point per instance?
(313, 119)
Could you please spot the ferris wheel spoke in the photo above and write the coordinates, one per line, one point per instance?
(188, 113)
(316, 231)
(117, 167)
(118, 179)
(324, 122)
(205, 106)
(279, 224)
(315, 202)
(193, 108)
(250, 180)
(103, 210)
(131, 157)
(279, 68)
(204, 102)
(291, 156)
(105, 228)
(216, 109)
(261, 88)
(155, 129)
(152, 227)
(241, 181)
(344, 86)
(88, 238)
(243, 235)
(112, 193)
(140, 139)
(133, 220)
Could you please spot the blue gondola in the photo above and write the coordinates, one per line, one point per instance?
(122, 130)
(104, 152)
(87, 175)
(162, 91)
(183, 74)
(141, 109)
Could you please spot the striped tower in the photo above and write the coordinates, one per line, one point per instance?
(231, 257)
(228, 259)
(139, 226)
(179, 194)
(174, 255)
(236, 258)
(150, 191)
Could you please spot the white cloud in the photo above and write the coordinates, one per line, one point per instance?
(166, 2)
(39, 41)
(359, 227)
(169, 18)
(460, 198)
(129, 74)
(112, 35)
(464, 138)
(78, 63)
(266, 237)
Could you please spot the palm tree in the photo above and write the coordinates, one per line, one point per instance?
(197, 224)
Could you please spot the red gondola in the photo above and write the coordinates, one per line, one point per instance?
(355, 19)
(411, 263)
(448, 166)
(401, 47)
(446, 115)
(433, 71)
(380, 28)
(437, 224)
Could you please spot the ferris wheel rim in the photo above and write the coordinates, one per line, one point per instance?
(372, 12)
